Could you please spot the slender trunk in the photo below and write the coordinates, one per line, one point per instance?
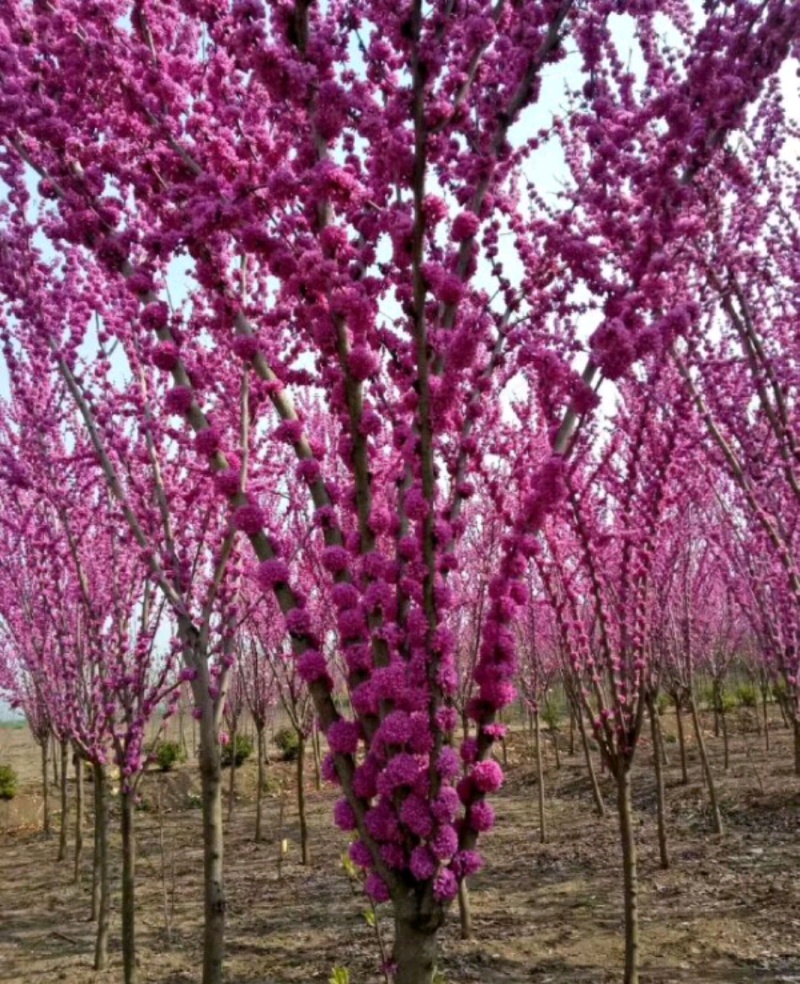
(214, 888)
(539, 776)
(45, 789)
(78, 818)
(572, 733)
(657, 763)
(232, 777)
(95, 864)
(54, 758)
(725, 745)
(630, 882)
(600, 805)
(317, 749)
(464, 910)
(62, 834)
(715, 700)
(181, 728)
(681, 740)
(709, 777)
(796, 729)
(128, 887)
(101, 835)
(782, 708)
(766, 718)
(301, 798)
(260, 789)
(415, 951)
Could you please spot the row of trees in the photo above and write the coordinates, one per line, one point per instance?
(302, 359)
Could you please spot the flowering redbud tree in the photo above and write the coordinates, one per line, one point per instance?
(349, 196)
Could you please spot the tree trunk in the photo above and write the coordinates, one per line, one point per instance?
(232, 777)
(715, 701)
(766, 717)
(657, 763)
(78, 762)
(45, 789)
(101, 838)
(630, 882)
(214, 887)
(317, 750)
(572, 732)
(796, 729)
(709, 777)
(725, 745)
(54, 757)
(415, 951)
(301, 798)
(539, 776)
(128, 887)
(62, 835)
(260, 789)
(681, 740)
(600, 805)
(464, 910)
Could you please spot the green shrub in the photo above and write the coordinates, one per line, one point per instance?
(8, 783)
(236, 751)
(551, 714)
(663, 703)
(168, 754)
(288, 743)
(747, 695)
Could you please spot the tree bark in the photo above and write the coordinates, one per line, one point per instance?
(415, 949)
(709, 777)
(766, 717)
(629, 873)
(660, 800)
(260, 789)
(725, 744)
(796, 729)
(464, 910)
(317, 750)
(681, 740)
(78, 762)
(232, 777)
(45, 789)
(56, 772)
(62, 835)
(101, 838)
(539, 776)
(301, 798)
(128, 887)
(214, 886)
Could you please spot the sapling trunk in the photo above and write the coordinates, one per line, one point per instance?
(44, 745)
(464, 910)
(599, 803)
(56, 771)
(260, 789)
(232, 777)
(796, 730)
(317, 750)
(629, 872)
(78, 763)
(571, 732)
(214, 887)
(766, 717)
(101, 839)
(681, 740)
(539, 776)
(709, 776)
(660, 801)
(128, 885)
(62, 835)
(725, 745)
(301, 798)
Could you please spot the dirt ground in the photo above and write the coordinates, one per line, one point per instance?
(727, 912)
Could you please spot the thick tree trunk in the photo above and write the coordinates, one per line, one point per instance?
(539, 776)
(45, 789)
(629, 874)
(260, 789)
(464, 910)
(79, 819)
(301, 798)
(214, 886)
(599, 803)
(681, 741)
(660, 801)
(128, 887)
(709, 777)
(415, 950)
(62, 834)
(101, 836)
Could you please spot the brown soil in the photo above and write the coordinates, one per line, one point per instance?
(728, 911)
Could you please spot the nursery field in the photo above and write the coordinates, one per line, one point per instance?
(726, 912)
